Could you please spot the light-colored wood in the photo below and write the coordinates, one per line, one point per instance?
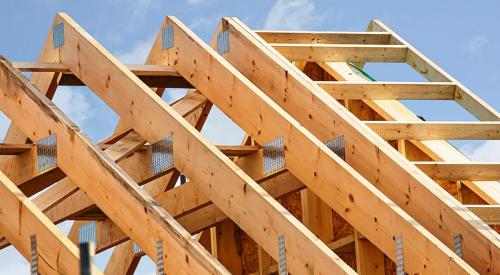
(20, 219)
(369, 259)
(303, 37)
(488, 213)
(366, 152)
(94, 166)
(153, 119)
(467, 99)
(342, 52)
(228, 246)
(389, 90)
(341, 242)
(480, 171)
(436, 130)
(137, 69)
(313, 161)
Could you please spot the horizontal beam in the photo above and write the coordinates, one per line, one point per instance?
(389, 90)
(490, 214)
(480, 171)
(158, 76)
(436, 130)
(342, 52)
(292, 37)
(14, 149)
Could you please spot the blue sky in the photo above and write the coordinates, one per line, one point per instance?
(460, 36)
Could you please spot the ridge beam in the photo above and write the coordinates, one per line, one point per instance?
(20, 219)
(460, 171)
(305, 37)
(436, 130)
(342, 52)
(389, 90)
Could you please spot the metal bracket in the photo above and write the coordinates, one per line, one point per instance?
(399, 255)
(282, 255)
(274, 155)
(337, 145)
(34, 256)
(458, 246)
(223, 42)
(58, 35)
(162, 155)
(85, 258)
(137, 249)
(46, 150)
(159, 258)
(167, 37)
(87, 233)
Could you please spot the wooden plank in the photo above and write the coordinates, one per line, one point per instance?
(305, 37)
(20, 219)
(466, 98)
(144, 111)
(306, 156)
(238, 150)
(488, 213)
(94, 166)
(342, 52)
(14, 149)
(436, 130)
(369, 259)
(365, 151)
(137, 69)
(480, 171)
(389, 90)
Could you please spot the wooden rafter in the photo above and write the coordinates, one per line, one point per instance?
(368, 154)
(95, 166)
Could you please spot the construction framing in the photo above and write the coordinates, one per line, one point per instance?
(334, 175)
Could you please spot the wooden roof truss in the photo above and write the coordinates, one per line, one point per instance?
(334, 175)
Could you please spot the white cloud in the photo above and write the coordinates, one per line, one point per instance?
(74, 104)
(138, 53)
(488, 151)
(476, 43)
(293, 15)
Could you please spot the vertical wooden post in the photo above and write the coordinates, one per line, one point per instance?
(228, 246)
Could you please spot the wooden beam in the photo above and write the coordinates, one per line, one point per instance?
(436, 130)
(39, 117)
(389, 90)
(153, 75)
(480, 171)
(488, 213)
(342, 52)
(365, 151)
(466, 98)
(20, 219)
(313, 162)
(369, 259)
(305, 37)
(14, 149)
(144, 111)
